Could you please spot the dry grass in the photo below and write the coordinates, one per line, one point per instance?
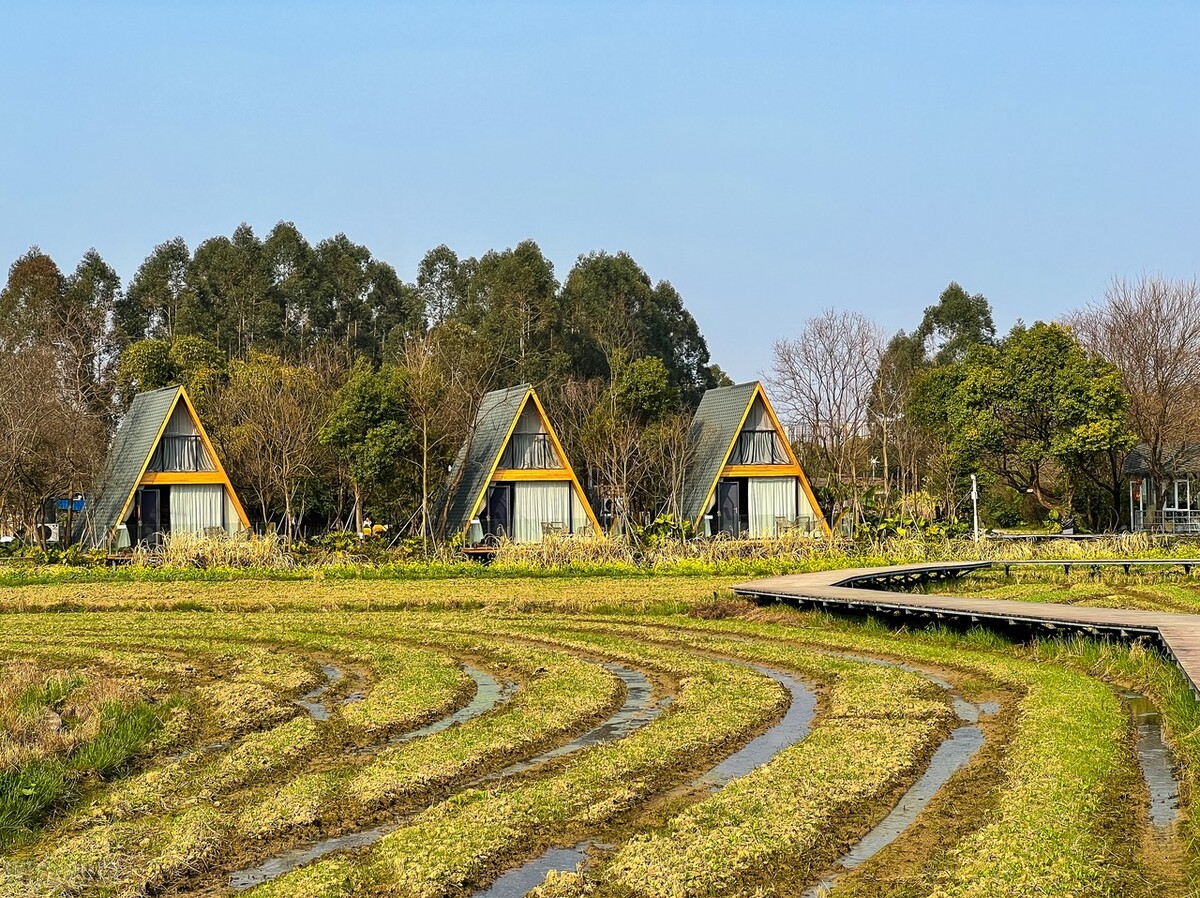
(187, 550)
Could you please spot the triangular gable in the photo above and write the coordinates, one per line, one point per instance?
(718, 423)
(479, 460)
(133, 450)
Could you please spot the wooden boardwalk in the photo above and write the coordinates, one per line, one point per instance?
(866, 589)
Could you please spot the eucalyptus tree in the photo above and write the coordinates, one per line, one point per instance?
(158, 294)
(612, 306)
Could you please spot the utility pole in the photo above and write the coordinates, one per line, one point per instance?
(975, 506)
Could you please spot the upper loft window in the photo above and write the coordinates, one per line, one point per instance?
(530, 450)
(181, 452)
(759, 442)
(759, 447)
(180, 448)
(530, 446)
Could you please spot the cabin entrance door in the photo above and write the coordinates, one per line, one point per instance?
(499, 508)
(150, 518)
(729, 507)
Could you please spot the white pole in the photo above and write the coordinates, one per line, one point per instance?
(975, 506)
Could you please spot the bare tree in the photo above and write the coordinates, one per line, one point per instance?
(51, 443)
(270, 418)
(824, 381)
(669, 450)
(1149, 329)
(442, 398)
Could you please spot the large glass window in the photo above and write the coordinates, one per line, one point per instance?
(758, 443)
(1179, 496)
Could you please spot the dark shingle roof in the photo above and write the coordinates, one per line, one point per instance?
(131, 448)
(1181, 459)
(478, 456)
(713, 430)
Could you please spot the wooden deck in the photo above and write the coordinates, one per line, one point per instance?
(864, 589)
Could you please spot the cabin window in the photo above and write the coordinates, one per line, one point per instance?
(530, 446)
(1179, 496)
(180, 447)
(181, 452)
(197, 508)
(759, 447)
(759, 442)
(772, 502)
(540, 508)
(530, 451)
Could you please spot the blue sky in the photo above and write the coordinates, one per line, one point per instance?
(770, 160)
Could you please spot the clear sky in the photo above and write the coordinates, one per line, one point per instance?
(770, 160)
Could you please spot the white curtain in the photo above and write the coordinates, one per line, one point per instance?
(196, 507)
(770, 498)
(233, 524)
(579, 518)
(181, 453)
(535, 504)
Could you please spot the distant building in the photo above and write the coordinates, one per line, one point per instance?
(1180, 511)
(744, 479)
(163, 476)
(511, 479)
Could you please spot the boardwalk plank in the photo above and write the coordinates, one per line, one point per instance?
(860, 588)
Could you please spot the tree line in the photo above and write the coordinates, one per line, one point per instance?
(334, 388)
(1044, 416)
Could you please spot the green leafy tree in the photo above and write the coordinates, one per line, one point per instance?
(612, 306)
(90, 296)
(152, 364)
(513, 307)
(369, 430)
(959, 321)
(289, 262)
(442, 284)
(643, 392)
(1034, 411)
(231, 298)
(359, 301)
(145, 365)
(30, 301)
(633, 442)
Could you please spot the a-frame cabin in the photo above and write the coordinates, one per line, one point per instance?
(743, 478)
(163, 476)
(511, 479)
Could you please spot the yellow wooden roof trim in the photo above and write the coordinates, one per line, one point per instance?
(587, 506)
(793, 462)
(570, 477)
(216, 458)
(787, 445)
(181, 393)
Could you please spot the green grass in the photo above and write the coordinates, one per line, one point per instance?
(29, 794)
(49, 694)
(32, 792)
(612, 558)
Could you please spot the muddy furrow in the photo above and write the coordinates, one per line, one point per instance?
(1154, 759)
(637, 710)
(787, 732)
